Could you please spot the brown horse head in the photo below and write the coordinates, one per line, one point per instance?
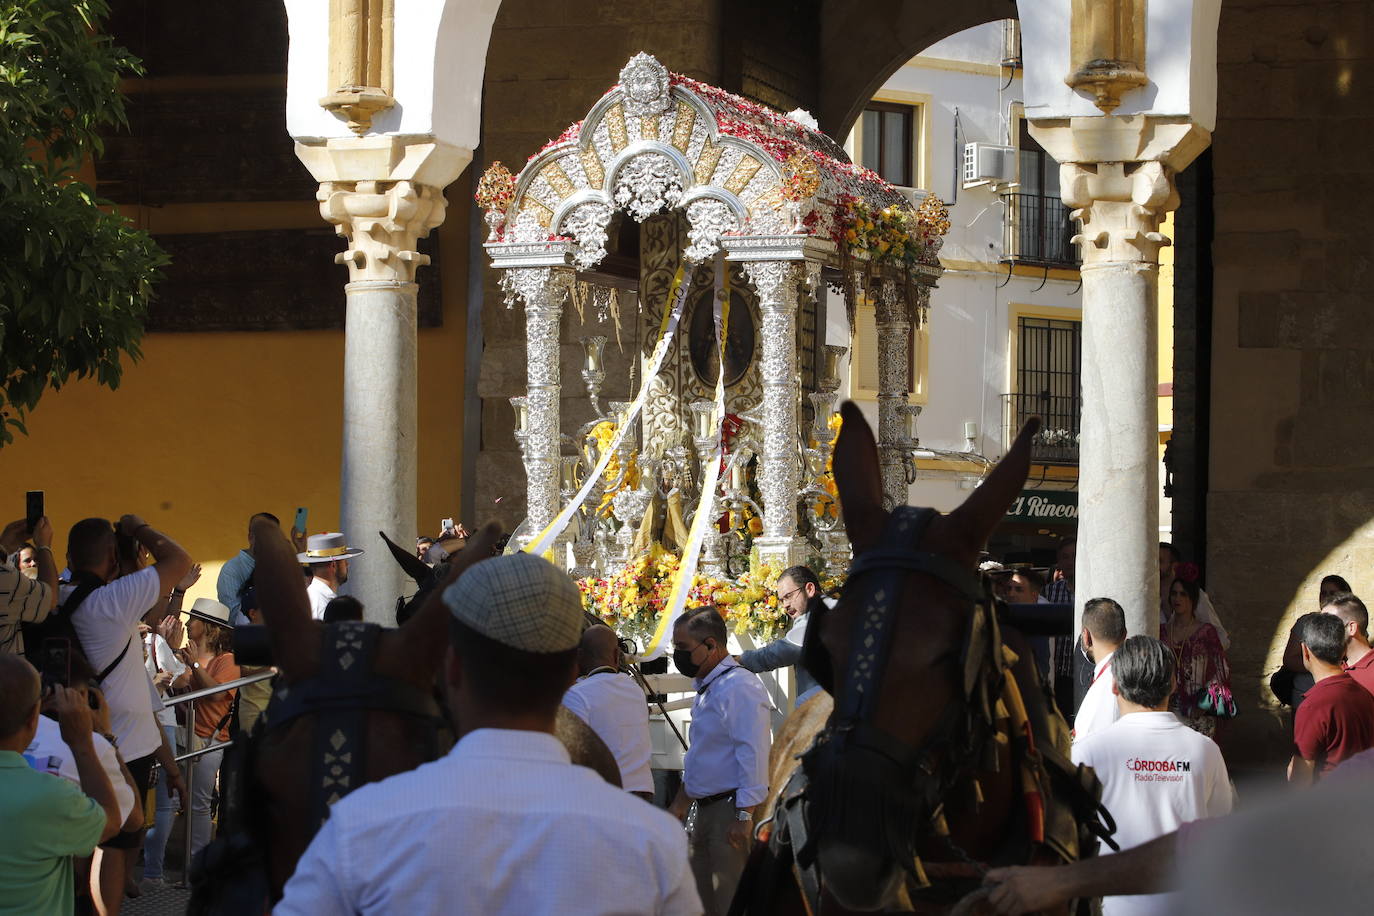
(877, 775)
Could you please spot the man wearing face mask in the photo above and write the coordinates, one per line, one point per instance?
(725, 772)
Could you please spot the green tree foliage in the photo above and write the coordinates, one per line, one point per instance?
(75, 279)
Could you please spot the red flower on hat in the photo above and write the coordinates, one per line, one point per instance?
(1188, 572)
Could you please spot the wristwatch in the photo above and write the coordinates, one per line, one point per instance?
(195, 665)
(742, 815)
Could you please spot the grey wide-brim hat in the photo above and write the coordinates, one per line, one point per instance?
(327, 547)
(211, 611)
(521, 601)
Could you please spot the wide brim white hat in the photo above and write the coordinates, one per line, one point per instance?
(327, 547)
(211, 611)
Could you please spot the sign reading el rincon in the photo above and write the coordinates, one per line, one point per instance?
(1045, 506)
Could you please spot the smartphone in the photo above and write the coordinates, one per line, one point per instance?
(55, 663)
(301, 514)
(33, 507)
(446, 525)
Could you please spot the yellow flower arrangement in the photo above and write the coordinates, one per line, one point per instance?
(631, 600)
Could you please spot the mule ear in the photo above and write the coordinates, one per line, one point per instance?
(987, 505)
(858, 478)
(414, 567)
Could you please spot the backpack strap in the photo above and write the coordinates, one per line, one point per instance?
(100, 678)
(87, 583)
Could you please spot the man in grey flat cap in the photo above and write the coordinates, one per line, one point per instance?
(504, 824)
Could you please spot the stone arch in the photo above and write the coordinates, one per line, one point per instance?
(890, 32)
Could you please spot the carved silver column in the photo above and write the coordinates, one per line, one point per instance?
(543, 290)
(779, 467)
(894, 361)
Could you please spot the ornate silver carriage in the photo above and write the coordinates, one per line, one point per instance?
(719, 236)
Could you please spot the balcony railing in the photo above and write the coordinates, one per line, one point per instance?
(1057, 441)
(1038, 231)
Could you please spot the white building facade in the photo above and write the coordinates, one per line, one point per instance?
(1003, 340)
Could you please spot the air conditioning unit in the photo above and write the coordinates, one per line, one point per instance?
(988, 163)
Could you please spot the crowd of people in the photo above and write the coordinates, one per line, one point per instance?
(94, 656)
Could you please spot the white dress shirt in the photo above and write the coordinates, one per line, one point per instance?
(1098, 709)
(616, 709)
(320, 595)
(105, 623)
(729, 736)
(1157, 774)
(504, 825)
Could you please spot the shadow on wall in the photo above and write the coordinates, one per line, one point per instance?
(1263, 581)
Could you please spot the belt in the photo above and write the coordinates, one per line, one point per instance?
(719, 796)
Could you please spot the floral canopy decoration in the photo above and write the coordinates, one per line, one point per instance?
(658, 140)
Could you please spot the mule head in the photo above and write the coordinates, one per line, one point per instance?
(872, 778)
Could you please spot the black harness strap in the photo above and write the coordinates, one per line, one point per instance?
(340, 696)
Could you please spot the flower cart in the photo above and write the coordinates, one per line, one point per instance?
(746, 225)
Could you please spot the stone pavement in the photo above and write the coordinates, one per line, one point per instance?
(164, 901)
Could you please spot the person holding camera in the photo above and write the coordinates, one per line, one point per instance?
(24, 599)
(614, 706)
(47, 820)
(106, 610)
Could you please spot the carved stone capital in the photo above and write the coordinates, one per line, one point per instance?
(1121, 205)
(382, 221)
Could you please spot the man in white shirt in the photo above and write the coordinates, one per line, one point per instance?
(327, 555)
(106, 623)
(725, 772)
(1104, 629)
(615, 707)
(1156, 772)
(504, 825)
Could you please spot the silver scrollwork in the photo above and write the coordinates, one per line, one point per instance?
(648, 183)
(780, 471)
(543, 290)
(587, 223)
(709, 220)
(645, 83)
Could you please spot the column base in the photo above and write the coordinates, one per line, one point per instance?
(781, 553)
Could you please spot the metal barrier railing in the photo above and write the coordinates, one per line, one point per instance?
(190, 773)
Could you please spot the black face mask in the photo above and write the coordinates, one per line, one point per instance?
(682, 660)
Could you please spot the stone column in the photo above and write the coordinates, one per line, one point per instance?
(779, 465)
(1121, 206)
(893, 323)
(382, 221)
(543, 290)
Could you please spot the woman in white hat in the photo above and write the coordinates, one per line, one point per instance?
(209, 658)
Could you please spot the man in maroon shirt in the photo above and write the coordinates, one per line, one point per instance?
(1336, 718)
(1359, 655)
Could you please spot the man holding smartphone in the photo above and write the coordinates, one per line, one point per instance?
(25, 600)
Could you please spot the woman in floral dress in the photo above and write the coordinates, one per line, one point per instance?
(1202, 668)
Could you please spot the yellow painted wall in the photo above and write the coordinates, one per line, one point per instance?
(209, 428)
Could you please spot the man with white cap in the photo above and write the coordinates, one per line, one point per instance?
(532, 833)
(327, 555)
